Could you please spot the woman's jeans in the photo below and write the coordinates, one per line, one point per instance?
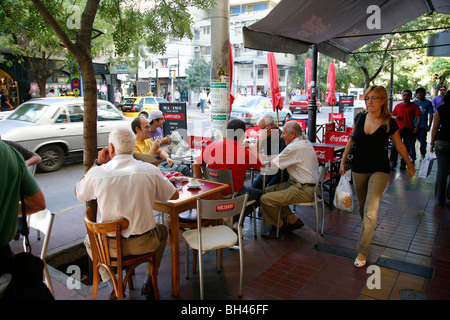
(203, 105)
(369, 189)
(442, 187)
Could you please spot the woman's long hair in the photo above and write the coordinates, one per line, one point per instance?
(381, 92)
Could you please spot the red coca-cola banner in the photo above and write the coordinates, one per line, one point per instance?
(332, 137)
(252, 132)
(335, 116)
(324, 153)
(301, 122)
(197, 142)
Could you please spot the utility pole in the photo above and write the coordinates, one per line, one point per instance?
(220, 69)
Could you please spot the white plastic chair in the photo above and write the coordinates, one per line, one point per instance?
(43, 222)
(318, 198)
(226, 176)
(217, 237)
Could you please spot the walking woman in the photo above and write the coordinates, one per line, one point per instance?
(371, 166)
(440, 143)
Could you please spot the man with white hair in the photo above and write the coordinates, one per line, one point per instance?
(268, 145)
(300, 160)
(127, 188)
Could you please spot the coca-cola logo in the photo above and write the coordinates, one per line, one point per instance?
(213, 174)
(252, 133)
(321, 154)
(339, 138)
(200, 143)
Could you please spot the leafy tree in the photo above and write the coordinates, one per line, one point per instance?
(24, 33)
(401, 45)
(197, 75)
(128, 22)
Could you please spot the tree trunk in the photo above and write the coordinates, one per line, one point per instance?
(90, 113)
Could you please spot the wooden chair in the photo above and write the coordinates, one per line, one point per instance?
(226, 176)
(204, 239)
(101, 256)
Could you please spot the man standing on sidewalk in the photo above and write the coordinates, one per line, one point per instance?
(439, 99)
(426, 119)
(405, 113)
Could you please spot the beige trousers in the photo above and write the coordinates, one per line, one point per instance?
(282, 195)
(154, 240)
(369, 188)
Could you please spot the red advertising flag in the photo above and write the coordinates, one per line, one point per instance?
(277, 100)
(308, 66)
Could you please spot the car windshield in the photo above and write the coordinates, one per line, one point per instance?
(249, 102)
(161, 100)
(129, 102)
(107, 112)
(29, 112)
(300, 98)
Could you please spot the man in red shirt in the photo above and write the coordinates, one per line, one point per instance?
(230, 154)
(405, 113)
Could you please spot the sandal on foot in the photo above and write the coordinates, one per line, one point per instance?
(360, 263)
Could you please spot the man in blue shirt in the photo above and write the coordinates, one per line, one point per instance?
(439, 99)
(426, 107)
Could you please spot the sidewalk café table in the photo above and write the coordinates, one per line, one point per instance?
(187, 157)
(333, 173)
(187, 200)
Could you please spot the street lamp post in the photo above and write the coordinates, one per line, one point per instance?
(157, 81)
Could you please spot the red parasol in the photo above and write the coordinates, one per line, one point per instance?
(277, 100)
(308, 66)
(231, 76)
(331, 84)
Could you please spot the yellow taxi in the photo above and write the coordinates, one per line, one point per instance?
(134, 106)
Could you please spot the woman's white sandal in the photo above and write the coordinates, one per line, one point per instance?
(359, 263)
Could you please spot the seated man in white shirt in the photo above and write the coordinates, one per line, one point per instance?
(127, 188)
(300, 160)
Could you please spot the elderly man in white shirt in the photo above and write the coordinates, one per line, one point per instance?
(127, 188)
(300, 160)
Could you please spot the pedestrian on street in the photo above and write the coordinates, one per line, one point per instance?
(439, 99)
(440, 144)
(426, 107)
(408, 117)
(203, 98)
(5, 105)
(370, 165)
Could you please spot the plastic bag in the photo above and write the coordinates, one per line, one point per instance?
(426, 165)
(343, 198)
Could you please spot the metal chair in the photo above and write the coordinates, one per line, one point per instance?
(101, 255)
(318, 197)
(226, 176)
(42, 221)
(217, 237)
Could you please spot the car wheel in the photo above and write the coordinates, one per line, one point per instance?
(144, 113)
(52, 158)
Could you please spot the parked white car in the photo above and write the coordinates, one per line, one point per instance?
(53, 127)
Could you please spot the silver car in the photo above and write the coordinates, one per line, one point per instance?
(53, 127)
(250, 108)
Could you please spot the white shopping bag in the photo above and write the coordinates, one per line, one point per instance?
(343, 198)
(426, 165)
